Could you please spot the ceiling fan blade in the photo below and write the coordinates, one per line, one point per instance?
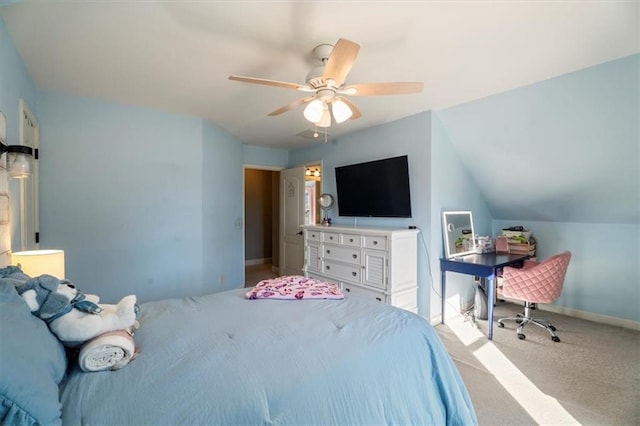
(354, 109)
(291, 106)
(264, 82)
(375, 89)
(340, 61)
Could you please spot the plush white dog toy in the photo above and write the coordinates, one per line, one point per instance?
(72, 316)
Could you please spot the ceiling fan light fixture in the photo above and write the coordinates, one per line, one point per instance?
(314, 111)
(325, 121)
(341, 111)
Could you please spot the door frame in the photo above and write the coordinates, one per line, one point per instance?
(273, 169)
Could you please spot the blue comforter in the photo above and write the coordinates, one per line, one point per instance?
(223, 359)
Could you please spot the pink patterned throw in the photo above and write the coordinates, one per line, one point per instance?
(293, 287)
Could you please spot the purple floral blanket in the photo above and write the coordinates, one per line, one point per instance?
(294, 287)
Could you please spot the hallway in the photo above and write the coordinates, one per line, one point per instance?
(253, 274)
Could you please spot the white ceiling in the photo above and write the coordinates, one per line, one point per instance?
(176, 56)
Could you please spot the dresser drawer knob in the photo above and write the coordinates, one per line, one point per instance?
(378, 299)
(355, 256)
(328, 251)
(331, 238)
(347, 289)
(375, 243)
(327, 267)
(350, 240)
(355, 274)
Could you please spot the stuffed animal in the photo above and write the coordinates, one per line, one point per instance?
(73, 316)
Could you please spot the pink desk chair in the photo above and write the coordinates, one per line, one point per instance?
(535, 282)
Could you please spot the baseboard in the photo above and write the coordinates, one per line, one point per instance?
(249, 262)
(590, 316)
(570, 312)
(275, 269)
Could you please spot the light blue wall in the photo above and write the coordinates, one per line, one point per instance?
(562, 157)
(604, 273)
(15, 84)
(409, 136)
(142, 201)
(452, 188)
(562, 150)
(270, 157)
(121, 193)
(223, 267)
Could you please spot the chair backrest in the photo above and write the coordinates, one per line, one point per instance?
(540, 283)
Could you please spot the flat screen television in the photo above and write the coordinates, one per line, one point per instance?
(374, 189)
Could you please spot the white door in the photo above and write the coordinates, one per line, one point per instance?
(291, 220)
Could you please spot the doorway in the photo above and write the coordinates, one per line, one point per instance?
(262, 214)
(261, 224)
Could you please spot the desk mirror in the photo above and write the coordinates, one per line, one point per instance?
(457, 231)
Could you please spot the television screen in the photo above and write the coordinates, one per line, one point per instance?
(374, 189)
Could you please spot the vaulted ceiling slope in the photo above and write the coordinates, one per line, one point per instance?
(177, 56)
(563, 150)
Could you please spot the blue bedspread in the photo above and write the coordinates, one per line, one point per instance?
(223, 359)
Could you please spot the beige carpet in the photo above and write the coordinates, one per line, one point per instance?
(253, 274)
(591, 377)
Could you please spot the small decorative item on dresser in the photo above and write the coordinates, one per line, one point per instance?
(326, 202)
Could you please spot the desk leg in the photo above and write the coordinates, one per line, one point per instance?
(443, 292)
(490, 303)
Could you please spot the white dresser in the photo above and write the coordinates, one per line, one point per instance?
(380, 263)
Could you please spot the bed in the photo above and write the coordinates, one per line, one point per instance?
(224, 359)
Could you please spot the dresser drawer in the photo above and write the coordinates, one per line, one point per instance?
(312, 235)
(351, 240)
(331, 237)
(344, 254)
(342, 271)
(379, 243)
(324, 278)
(369, 294)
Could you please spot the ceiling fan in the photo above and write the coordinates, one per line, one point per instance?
(326, 86)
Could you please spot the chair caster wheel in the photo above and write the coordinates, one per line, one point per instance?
(501, 325)
(518, 321)
(555, 338)
(552, 328)
(521, 336)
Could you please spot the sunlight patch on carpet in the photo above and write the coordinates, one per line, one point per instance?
(543, 408)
